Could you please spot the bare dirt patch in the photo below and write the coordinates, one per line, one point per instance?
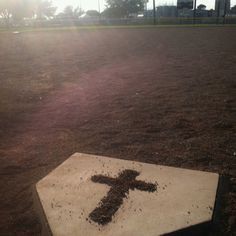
(164, 96)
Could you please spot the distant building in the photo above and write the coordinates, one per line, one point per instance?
(167, 11)
(185, 4)
(148, 13)
(185, 12)
(222, 7)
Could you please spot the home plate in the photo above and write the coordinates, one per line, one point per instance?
(93, 195)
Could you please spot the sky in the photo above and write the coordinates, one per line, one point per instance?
(93, 4)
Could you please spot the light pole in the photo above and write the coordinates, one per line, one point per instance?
(154, 12)
(80, 4)
(218, 11)
(99, 8)
(194, 11)
(225, 10)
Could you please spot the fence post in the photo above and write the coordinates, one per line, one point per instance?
(225, 10)
(218, 11)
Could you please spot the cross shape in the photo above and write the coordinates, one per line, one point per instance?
(120, 187)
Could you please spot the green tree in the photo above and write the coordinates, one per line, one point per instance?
(233, 9)
(123, 8)
(92, 13)
(113, 12)
(44, 9)
(22, 9)
(201, 7)
(6, 10)
(78, 12)
(70, 12)
(16, 10)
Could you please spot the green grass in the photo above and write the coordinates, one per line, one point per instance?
(94, 27)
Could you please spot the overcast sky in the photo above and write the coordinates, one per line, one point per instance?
(93, 4)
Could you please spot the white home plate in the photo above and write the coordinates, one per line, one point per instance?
(159, 199)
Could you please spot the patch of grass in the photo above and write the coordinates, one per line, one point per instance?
(96, 27)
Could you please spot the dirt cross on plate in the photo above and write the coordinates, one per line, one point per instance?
(120, 187)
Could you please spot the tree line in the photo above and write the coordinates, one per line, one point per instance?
(17, 10)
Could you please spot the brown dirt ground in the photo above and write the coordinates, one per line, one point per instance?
(163, 96)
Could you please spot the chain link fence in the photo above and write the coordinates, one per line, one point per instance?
(120, 22)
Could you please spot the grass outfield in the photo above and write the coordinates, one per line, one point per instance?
(94, 27)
